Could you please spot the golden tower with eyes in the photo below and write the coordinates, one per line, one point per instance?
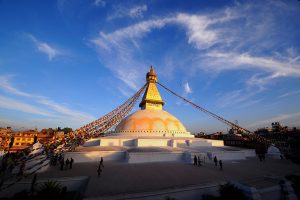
(152, 120)
(151, 99)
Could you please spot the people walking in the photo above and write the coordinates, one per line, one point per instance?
(260, 157)
(67, 163)
(33, 183)
(199, 161)
(195, 160)
(62, 162)
(21, 169)
(263, 156)
(221, 165)
(216, 161)
(101, 162)
(99, 170)
(71, 163)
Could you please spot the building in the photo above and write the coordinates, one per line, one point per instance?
(22, 139)
(5, 135)
(153, 134)
(284, 138)
(152, 120)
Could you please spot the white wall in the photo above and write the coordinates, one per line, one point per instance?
(93, 156)
(227, 155)
(153, 142)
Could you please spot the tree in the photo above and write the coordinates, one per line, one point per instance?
(35, 139)
(50, 190)
(67, 130)
(228, 191)
(11, 143)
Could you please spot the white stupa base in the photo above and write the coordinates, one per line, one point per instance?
(152, 141)
(156, 149)
(94, 155)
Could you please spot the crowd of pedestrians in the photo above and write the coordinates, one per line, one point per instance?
(261, 156)
(63, 164)
(198, 162)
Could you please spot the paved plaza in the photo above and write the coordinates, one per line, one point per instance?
(123, 178)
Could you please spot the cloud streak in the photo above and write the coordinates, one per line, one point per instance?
(278, 118)
(187, 88)
(6, 86)
(45, 48)
(60, 110)
(11, 104)
(133, 12)
(292, 93)
(124, 43)
(221, 41)
(99, 3)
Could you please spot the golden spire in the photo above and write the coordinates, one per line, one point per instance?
(151, 99)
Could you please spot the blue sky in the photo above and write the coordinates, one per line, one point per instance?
(67, 62)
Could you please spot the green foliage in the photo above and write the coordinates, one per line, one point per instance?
(50, 190)
(229, 191)
(67, 130)
(12, 139)
(226, 191)
(23, 195)
(295, 184)
(209, 197)
(169, 198)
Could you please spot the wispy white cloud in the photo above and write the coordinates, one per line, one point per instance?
(136, 31)
(16, 125)
(240, 97)
(45, 48)
(187, 88)
(124, 42)
(197, 27)
(197, 30)
(133, 12)
(137, 11)
(12, 104)
(234, 61)
(125, 91)
(60, 110)
(222, 40)
(292, 93)
(79, 116)
(121, 46)
(6, 85)
(99, 3)
(278, 118)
